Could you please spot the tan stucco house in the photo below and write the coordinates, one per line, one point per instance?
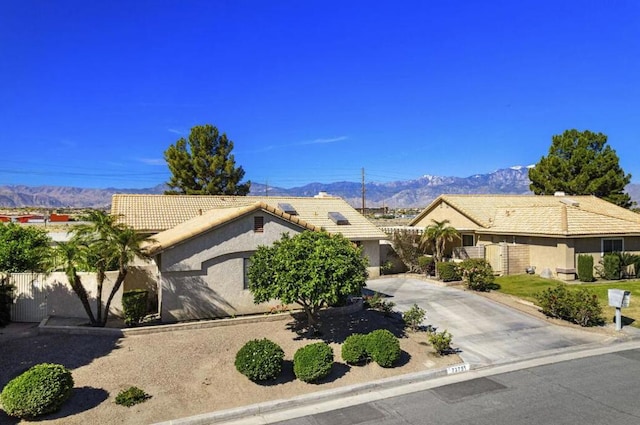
(202, 244)
(516, 232)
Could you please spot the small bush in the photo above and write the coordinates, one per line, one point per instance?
(413, 317)
(581, 307)
(611, 266)
(377, 302)
(477, 274)
(585, 268)
(354, 349)
(313, 362)
(383, 347)
(586, 309)
(448, 271)
(134, 305)
(427, 265)
(260, 360)
(441, 342)
(6, 299)
(131, 396)
(386, 268)
(38, 391)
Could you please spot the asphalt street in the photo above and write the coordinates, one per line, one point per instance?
(588, 391)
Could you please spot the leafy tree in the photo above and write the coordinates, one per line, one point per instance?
(437, 235)
(100, 246)
(206, 166)
(23, 248)
(581, 163)
(312, 269)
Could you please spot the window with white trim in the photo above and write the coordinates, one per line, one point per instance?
(612, 245)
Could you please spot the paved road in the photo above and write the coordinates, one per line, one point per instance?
(486, 332)
(589, 391)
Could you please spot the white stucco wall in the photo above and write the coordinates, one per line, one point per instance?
(204, 277)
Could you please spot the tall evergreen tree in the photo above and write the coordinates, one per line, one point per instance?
(581, 163)
(206, 166)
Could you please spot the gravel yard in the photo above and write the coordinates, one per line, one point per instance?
(189, 372)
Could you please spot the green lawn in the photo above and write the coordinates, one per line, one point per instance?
(526, 286)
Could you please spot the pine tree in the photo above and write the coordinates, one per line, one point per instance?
(206, 166)
(581, 163)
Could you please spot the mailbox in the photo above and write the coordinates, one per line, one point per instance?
(619, 298)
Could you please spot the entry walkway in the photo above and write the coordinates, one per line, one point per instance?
(486, 332)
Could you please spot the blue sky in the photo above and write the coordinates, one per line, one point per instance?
(92, 93)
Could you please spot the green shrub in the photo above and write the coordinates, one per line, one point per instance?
(134, 305)
(383, 347)
(6, 299)
(377, 302)
(448, 271)
(628, 264)
(611, 266)
(413, 317)
(38, 391)
(354, 349)
(427, 265)
(441, 341)
(477, 274)
(585, 268)
(586, 309)
(313, 362)
(581, 306)
(386, 268)
(131, 396)
(260, 360)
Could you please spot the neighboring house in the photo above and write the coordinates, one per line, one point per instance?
(516, 232)
(202, 244)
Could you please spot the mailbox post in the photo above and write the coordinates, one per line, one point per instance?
(619, 298)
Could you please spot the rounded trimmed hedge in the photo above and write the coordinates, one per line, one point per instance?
(38, 391)
(260, 360)
(383, 347)
(313, 362)
(354, 349)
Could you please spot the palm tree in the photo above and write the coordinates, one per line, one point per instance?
(437, 235)
(69, 255)
(100, 246)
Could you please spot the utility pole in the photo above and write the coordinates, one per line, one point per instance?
(363, 199)
(266, 188)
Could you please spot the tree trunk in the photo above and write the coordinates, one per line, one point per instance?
(81, 292)
(122, 274)
(100, 277)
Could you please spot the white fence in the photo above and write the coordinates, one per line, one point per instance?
(30, 303)
(37, 296)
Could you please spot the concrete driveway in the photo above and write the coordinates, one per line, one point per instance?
(486, 332)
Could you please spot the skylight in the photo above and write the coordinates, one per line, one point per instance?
(287, 208)
(338, 218)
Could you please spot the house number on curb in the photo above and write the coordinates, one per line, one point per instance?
(457, 369)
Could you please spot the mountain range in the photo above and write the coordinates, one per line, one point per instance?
(398, 194)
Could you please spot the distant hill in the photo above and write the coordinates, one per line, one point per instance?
(399, 194)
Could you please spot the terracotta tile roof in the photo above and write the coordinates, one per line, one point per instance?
(211, 219)
(541, 215)
(156, 213)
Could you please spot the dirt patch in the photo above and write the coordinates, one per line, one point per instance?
(191, 372)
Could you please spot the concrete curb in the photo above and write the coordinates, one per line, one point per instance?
(317, 397)
(45, 328)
